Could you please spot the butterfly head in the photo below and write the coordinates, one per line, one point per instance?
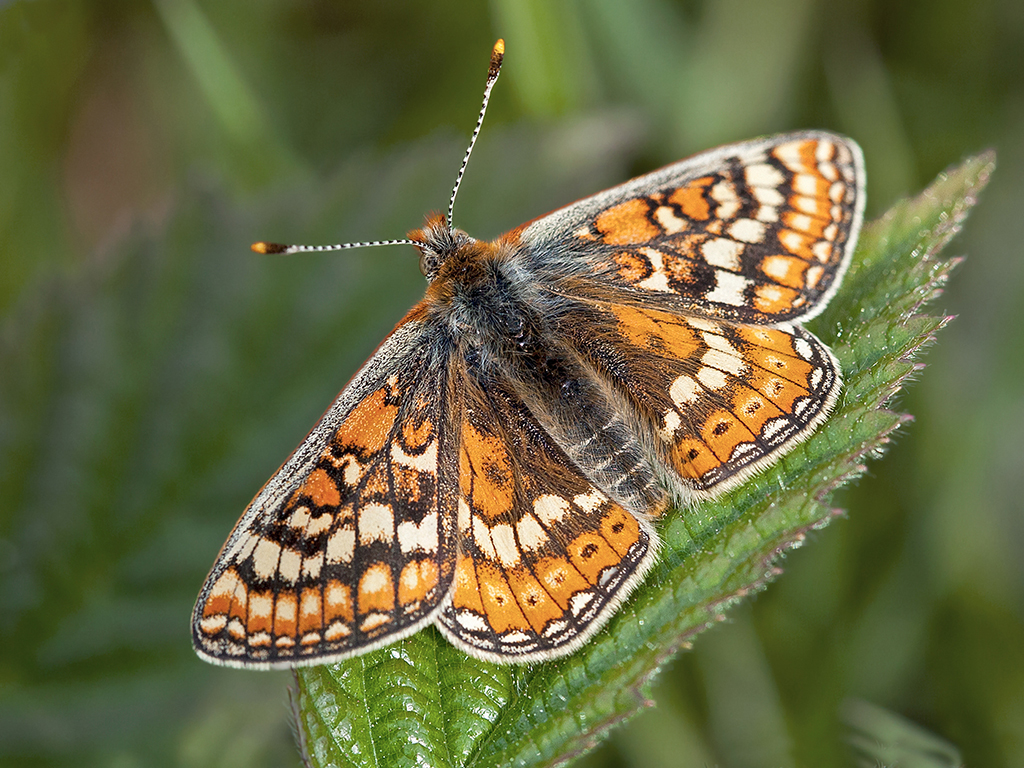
(436, 243)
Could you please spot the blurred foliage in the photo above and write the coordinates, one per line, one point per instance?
(160, 372)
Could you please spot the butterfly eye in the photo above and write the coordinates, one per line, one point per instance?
(428, 263)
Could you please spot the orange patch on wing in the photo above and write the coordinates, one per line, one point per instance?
(753, 409)
(338, 602)
(369, 425)
(788, 366)
(417, 580)
(643, 327)
(486, 472)
(691, 200)
(222, 595)
(591, 554)
(785, 270)
(500, 606)
(285, 612)
(620, 529)
(261, 612)
(632, 267)
(693, 459)
(467, 590)
(636, 325)
(376, 589)
(680, 340)
(560, 579)
(780, 391)
(722, 432)
(627, 223)
(773, 299)
(320, 489)
(797, 243)
(376, 482)
(417, 435)
(809, 225)
(310, 610)
(536, 604)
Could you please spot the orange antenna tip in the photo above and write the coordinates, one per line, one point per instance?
(497, 54)
(262, 247)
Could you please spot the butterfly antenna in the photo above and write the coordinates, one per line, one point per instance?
(497, 54)
(262, 247)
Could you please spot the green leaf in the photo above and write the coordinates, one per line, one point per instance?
(420, 702)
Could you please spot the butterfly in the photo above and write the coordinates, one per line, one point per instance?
(495, 469)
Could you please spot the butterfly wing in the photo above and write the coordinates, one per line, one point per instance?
(544, 554)
(758, 232)
(714, 400)
(351, 545)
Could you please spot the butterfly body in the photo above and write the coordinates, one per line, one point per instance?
(496, 468)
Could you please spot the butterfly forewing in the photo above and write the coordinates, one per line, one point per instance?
(351, 545)
(754, 232)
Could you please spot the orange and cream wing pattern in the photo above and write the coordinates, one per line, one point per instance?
(721, 399)
(495, 467)
(755, 232)
(352, 544)
(544, 555)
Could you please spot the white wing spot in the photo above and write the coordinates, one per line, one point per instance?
(590, 501)
(260, 606)
(531, 534)
(668, 220)
(341, 546)
(711, 378)
(472, 621)
(683, 391)
(658, 279)
(550, 508)
(724, 362)
(763, 175)
(670, 424)
(422, 537)
(311, 566)
(579, 602)
(729, 289)
(265, 557)
(424, 462)
(482, 537)
(747, 230)
(376, 523)
(503, 538)
(723, 253)
(290, 565)
(729, 203)
(789, 154)
(805, 184)
(800, 221)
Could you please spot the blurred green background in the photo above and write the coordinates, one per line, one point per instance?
(154, 373)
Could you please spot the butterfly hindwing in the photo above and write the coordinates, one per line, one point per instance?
(544, 555)
(719, 400)
(754, 232)
(351, 544)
